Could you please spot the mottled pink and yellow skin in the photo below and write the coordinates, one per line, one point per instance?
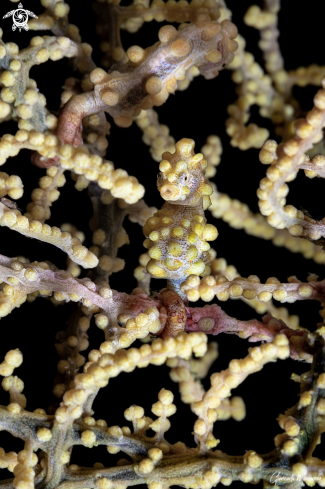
(177, 234)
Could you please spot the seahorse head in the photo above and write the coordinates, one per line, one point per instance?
(181, 179)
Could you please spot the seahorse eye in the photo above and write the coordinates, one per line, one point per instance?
(160, 179)
(184, 178)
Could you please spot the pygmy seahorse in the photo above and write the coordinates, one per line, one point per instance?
(178, 234)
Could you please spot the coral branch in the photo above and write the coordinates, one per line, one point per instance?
(290, 155)
(111, 346)
(213, 320)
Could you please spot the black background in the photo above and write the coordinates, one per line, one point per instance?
(195, 113)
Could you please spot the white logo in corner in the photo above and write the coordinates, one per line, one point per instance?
(20, 18)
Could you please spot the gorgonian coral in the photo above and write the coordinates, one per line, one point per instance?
(67, 111)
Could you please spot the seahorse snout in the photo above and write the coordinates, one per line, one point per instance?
(170, 192)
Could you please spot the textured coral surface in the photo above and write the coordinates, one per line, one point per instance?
(151, 199)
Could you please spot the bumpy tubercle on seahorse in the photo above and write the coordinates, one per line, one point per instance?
(178, 234)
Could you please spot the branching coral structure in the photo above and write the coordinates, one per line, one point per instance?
(133, 333)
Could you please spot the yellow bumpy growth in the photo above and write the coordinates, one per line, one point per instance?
(178, 234)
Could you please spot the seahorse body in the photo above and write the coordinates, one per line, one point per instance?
(178, 234)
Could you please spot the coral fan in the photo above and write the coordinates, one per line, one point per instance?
(93, 115)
